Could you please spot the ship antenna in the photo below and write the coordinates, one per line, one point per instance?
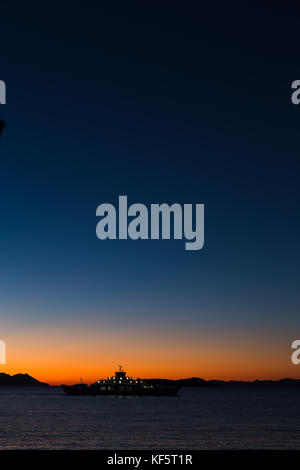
(120, 368)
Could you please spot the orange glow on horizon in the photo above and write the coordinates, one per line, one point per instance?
(64, 355)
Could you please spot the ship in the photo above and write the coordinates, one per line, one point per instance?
(77, 389)
(120, 384)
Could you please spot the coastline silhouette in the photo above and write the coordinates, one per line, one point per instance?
(20, 380)
(27, 380)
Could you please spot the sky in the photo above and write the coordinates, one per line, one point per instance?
(161, 103)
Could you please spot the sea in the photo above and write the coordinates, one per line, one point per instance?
(197, 418)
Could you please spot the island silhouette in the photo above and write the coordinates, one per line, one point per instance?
(18, 380)
(26, 380)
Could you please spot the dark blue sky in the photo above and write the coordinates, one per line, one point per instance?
(163, 104)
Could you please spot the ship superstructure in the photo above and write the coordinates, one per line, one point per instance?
(120, 384)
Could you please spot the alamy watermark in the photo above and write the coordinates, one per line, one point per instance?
(2, 352)
(2, 92)
(295, 358)
(153, 224)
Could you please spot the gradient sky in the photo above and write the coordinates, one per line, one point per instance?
(163, 105)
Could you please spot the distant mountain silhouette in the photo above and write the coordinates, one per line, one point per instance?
(259, 383)
(198, 382)
(191, 382)
(194, 382)
(20, 380)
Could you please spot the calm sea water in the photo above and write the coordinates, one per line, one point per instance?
(214, 418)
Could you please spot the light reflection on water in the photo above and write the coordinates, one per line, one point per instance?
(203, 418)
